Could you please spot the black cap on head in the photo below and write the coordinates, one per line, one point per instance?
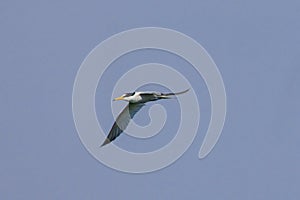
(129, 94)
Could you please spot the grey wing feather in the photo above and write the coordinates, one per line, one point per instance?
(153, 96)
(122, 121)
(157, 95)
(177, 93)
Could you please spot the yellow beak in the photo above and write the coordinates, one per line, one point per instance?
(118, 98)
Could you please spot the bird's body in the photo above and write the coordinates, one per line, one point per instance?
(136, 101)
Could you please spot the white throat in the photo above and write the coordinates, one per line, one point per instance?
(134, 99)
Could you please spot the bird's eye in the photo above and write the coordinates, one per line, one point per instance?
(132, 93)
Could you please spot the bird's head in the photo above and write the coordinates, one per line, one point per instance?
(126, 97)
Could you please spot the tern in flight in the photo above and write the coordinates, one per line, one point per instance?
(136, 101)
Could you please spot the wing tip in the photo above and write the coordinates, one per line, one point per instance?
(185, 91)
(176, 93)
(107, 141)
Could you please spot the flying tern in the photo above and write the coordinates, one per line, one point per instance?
(136, 100)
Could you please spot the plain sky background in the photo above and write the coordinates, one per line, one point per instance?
(256, 46)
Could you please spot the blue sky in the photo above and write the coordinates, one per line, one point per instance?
(255, 44)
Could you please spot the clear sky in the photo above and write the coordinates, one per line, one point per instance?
(255, 45)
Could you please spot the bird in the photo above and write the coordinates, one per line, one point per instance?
(136, 100)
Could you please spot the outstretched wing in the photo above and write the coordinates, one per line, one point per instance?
(153, 96)
(122, 121)
(177, 93)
